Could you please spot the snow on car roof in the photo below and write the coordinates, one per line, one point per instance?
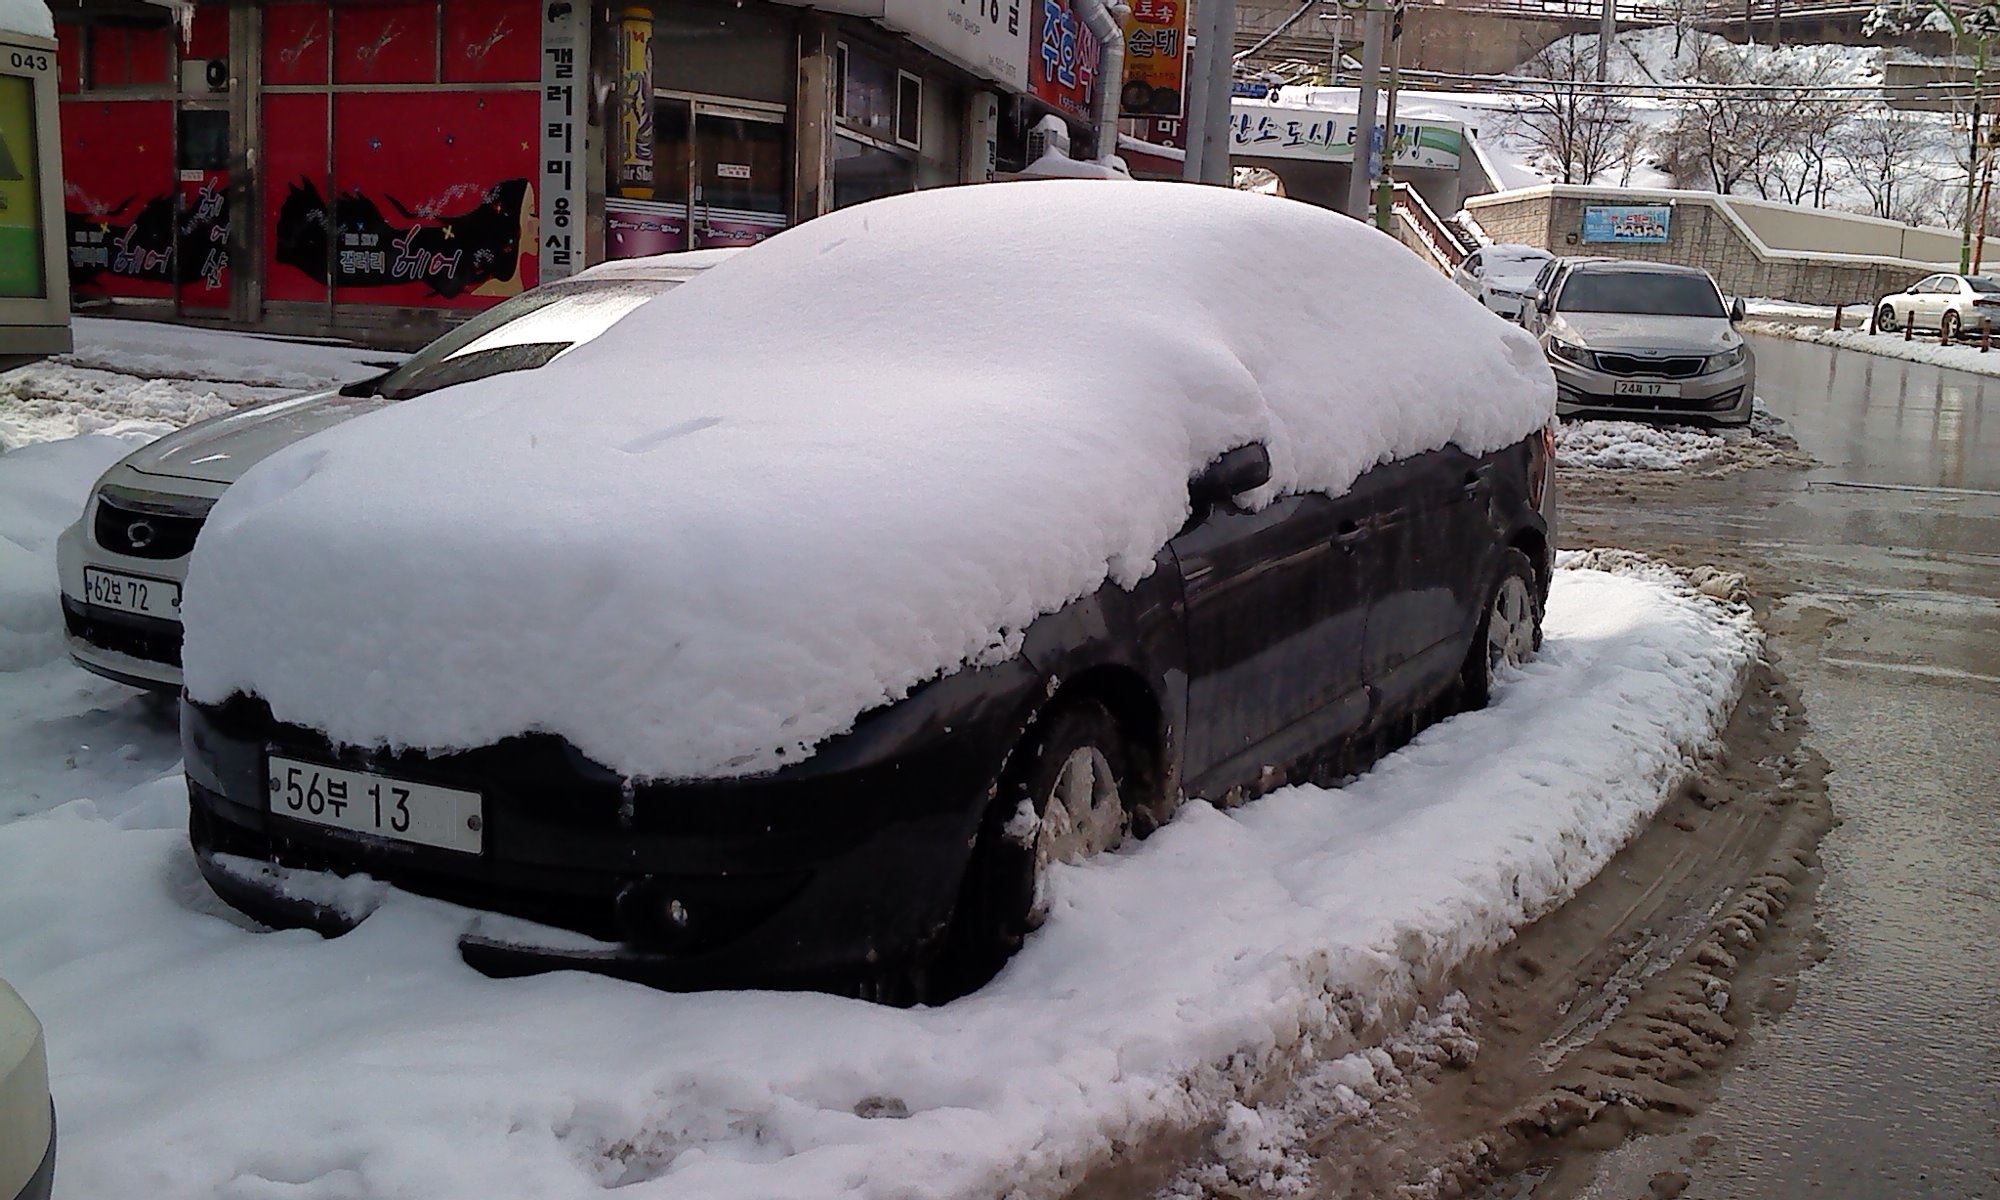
(863, 453)
(1515, 252)
(659, 266)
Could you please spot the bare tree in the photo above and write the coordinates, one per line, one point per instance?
(1881, 154)
(1764, 123)
(1571, 124)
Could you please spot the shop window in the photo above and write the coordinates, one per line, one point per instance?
(127, 56)
(909, 110)
(297, 41)
(204, 139)
(69, 57)
(865, 171)
(866, 98)
(725, 50)
(491, 41)
(390, 43)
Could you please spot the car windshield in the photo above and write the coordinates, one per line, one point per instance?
(521, 334)
(1982, 284)
(1644, 293)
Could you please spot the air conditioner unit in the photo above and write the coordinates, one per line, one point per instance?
(1050, 133)
(200, 75)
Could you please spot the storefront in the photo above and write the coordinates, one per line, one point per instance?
(381, 166)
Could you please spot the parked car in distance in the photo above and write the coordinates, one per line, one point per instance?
(1501, 276)
(1646, 340)
(123, 562)
(1948, 305)
(766, 517)
(27, 1116)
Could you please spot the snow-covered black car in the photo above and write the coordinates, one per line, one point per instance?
(920, 548)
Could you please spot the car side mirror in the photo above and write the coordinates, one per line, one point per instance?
(1240, 470)
(1544, 303)
(1911, 290)
(1737, 311)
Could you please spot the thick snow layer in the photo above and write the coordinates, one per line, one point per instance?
(27, 16)
(144, 378)
(855, 456)
(195, 1057)
(42, 492)
(1921, 348)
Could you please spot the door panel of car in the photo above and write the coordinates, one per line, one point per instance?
(1432, 514)
(1275, 619)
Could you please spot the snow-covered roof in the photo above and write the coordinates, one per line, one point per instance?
(659, 266)
(863, 453)
(27, 16)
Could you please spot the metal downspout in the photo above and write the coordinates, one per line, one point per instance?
(1107, 21)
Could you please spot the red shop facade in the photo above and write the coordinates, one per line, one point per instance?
(378, 168)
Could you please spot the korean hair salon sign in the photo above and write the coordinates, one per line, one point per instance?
(1275, 131)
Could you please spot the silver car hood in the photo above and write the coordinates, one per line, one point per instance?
(220, 449)
(1629, 331)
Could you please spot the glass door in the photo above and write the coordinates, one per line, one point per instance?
(738, 175)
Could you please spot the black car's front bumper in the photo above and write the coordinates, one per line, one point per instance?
(799, 879)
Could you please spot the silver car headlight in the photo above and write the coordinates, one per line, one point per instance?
(1569, 353)
(1722, 361)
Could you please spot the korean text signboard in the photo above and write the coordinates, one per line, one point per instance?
(1155, 59)
(565, 55)
(1629, 223)
(635, 102)
(1273, 131)
(1063, 71)
(987, 37)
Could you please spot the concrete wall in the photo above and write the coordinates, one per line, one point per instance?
(1807, 255)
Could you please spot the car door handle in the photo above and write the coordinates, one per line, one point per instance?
(1350, 534)
(1474, 487)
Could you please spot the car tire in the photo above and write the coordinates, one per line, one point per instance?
(1509, 630)
(1074, 760)
(1948, 326)
(1885, 320)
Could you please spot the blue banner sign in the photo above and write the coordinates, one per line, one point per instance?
(1627, 222)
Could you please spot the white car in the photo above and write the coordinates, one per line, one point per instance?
(123, 561)
(1501, 276)
(1949, 305)
(27, 1117)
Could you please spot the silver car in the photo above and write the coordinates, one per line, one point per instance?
(1647, 341)
(123, 562)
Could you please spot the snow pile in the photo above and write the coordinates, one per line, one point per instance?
(251, 1063)
(42, 492)
(1921, 348)
(146, 379)
(27, 16)
(758, 529)
(1632, 446)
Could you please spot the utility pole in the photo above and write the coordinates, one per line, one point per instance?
(1607, 31)
(1359, 190)
(1211, 80)
(1385, 192)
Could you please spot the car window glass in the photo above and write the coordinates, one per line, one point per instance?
(1643, 293)
(1982, 285)
(1926, 284)
(525, 332)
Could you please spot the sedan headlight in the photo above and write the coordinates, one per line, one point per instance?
(1722, 361)
(1568, 353)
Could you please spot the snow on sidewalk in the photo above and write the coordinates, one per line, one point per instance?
(148, 378)
(194, 1056)
(1923, 348)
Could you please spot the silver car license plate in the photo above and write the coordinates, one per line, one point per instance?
(132, 593)
(1644, 387)
(401, 810)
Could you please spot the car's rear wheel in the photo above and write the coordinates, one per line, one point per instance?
(1509, 632)
(1885, 319)
(1948, 327)
(1066, 795)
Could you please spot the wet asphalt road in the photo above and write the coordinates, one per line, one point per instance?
(1882, 1079)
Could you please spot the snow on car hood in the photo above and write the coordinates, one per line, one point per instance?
(859, 455)
(220, 449)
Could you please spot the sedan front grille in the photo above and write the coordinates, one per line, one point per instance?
(1678, 367)
(137, 534)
